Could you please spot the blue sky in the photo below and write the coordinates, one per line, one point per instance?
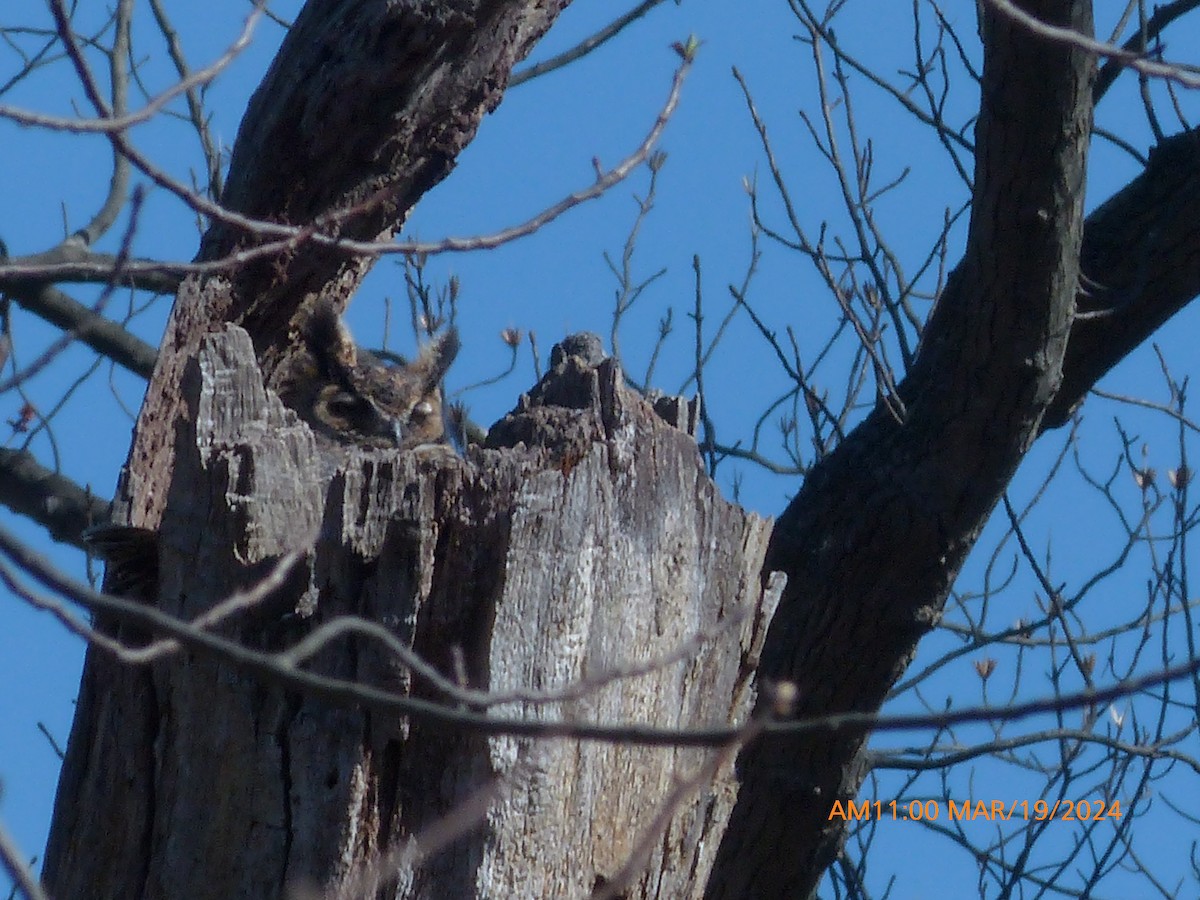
(538, 146)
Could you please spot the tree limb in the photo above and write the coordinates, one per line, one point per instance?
(874, 538)
(106, 337)
(63, 507)
(1139, 267)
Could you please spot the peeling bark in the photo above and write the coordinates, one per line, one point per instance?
(593, 544)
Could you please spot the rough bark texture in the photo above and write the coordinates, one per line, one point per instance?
(872, 542)
(30, 489)
(1140, 265)
(365, 108)
(596, 544)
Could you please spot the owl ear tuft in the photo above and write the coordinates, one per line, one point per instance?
(436, 358)
(328, 339)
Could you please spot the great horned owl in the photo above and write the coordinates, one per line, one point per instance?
(345, 394)
(348, 396)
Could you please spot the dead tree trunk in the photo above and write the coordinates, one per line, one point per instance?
(591, 549)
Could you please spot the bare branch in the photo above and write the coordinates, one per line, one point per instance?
(100, 333)
(1153, 28)
(1177, 72)
(273, 669)
(287, 238)
(112, 119)
(584, 47)
(119, 83)
(22, 877)
(52, 500)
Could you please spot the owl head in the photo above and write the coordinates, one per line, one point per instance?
(350, 396)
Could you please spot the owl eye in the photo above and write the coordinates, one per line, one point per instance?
(344, 405)
(422, 410)
(348, 413)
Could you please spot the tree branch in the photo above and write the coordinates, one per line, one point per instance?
(63, 507)
(874, 538)
(1138, 268)
(106, 337)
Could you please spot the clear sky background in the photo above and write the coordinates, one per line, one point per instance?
(537, 147)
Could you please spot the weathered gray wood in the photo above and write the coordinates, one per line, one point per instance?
(366, 106)
(594, 545)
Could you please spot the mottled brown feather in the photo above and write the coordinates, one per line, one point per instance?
(348, 396)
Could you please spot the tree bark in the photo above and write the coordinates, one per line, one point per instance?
(365, 108)
(595, 544)
(873, 540)
(1138, 266)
